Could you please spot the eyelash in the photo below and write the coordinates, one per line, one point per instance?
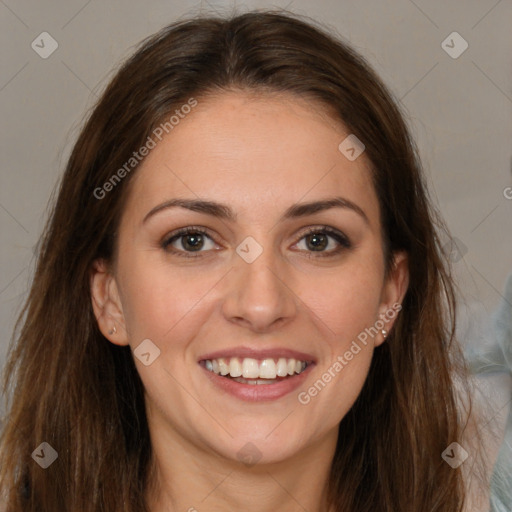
(343, 241)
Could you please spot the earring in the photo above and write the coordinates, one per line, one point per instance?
(113, 330)
(384, 333)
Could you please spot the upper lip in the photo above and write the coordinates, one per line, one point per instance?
(271, 353)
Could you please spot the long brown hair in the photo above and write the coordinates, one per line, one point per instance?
(69, 386)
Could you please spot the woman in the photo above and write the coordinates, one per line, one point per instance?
(240, 302)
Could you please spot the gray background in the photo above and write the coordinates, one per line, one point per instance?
(459, 110)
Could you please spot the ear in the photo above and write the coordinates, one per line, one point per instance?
(107, 304)
(393, 293)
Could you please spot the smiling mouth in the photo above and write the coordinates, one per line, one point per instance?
(255, 372)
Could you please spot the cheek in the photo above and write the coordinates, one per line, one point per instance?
(346, 302)
(338, 382)
(159, 301)
(346, 379)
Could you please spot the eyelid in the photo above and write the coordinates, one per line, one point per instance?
(177, 233)
(336, 233)
(342, 239)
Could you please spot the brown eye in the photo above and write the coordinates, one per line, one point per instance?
(187, 240)
(317, 241)
(192, 241)
(325, 241)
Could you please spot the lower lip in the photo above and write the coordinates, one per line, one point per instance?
(259, 392)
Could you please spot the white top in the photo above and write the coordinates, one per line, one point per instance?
(497, 357)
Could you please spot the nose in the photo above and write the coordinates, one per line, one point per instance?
(258, 295)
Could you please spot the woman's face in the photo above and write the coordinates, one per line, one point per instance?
(261, 285)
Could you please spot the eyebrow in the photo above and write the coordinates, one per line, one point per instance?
(224, 212)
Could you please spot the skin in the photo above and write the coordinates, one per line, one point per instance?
(258, 155)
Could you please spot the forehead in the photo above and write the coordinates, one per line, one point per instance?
(257, 152)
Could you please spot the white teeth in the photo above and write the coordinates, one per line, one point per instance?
(223, 367)
(254, 381)
(282, 367)
(267, 369)
(235, 368)
(250, 368)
